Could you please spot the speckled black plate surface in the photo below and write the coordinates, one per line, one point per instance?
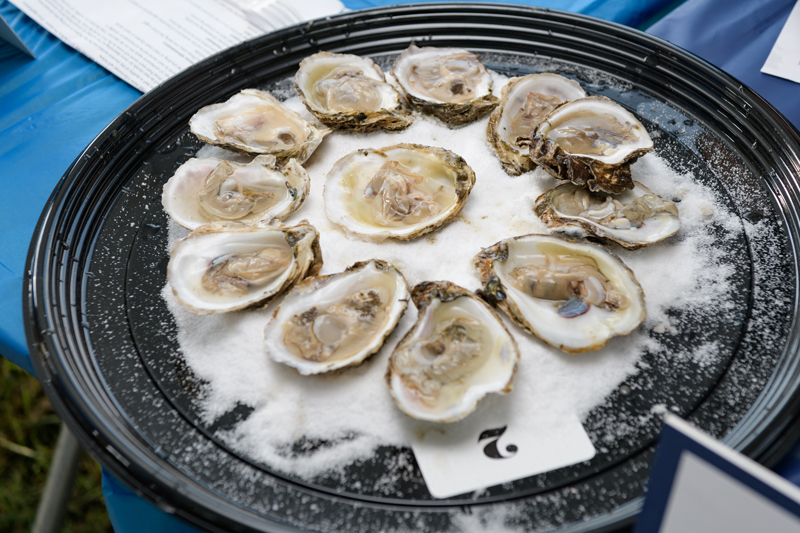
(105, 342)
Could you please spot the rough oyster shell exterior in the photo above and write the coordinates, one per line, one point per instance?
(548, 90)
(347, 182)
(573, 332)
(599, 172)
(456, 353)
(287, 187)
(294, 137)
(390, 115)
(450, 112)
(194, 256)
(320, 294)
(658, 217)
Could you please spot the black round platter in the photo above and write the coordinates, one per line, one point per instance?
(104, 343)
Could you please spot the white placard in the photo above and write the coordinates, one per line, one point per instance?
(455, 459)
(699, 484)
(146, 42)
(704, 498)
(784, 59)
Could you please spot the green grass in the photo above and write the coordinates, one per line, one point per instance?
(28, 432)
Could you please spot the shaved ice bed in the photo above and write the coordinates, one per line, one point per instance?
(353, 408)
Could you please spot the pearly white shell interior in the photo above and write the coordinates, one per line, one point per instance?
(593, 328)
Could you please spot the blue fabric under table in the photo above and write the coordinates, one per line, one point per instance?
(130, 513)
(52, 107)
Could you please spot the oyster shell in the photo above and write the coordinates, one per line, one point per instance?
(457, 352)
(401, 191)
(329, 322)
(345, 91)
(592, 141)
(634, 219)
(449, 83)
(207, 190)
(256, 122)
(228, 266)
(523, 104)
(574, 296)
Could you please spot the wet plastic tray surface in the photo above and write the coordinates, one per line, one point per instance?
(105, 344)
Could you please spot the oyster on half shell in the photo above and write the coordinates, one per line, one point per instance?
(524, 103)
(330, 322)
(449, 83)
(256, 122)
(572, 295)
(345, 91)
(401, 191)
(229, 266)
(633, 219)
(207, 190)
(592, 141)
(456, 353)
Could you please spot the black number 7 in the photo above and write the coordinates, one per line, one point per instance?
(490, 450)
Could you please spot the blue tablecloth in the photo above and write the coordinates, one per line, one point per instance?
(52, 107)
(50, 110)
(737, 37)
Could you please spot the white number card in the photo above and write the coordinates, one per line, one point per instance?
(455, 459)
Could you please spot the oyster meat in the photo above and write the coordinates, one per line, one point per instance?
(207, 190)
(592, 141)
(401, 191)
(256, 122)
(457, 352)
(523, 104)
(634, 219)
(449, 83)
(346, 91)
(572, 295)
(329, 322)
(228, 266)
